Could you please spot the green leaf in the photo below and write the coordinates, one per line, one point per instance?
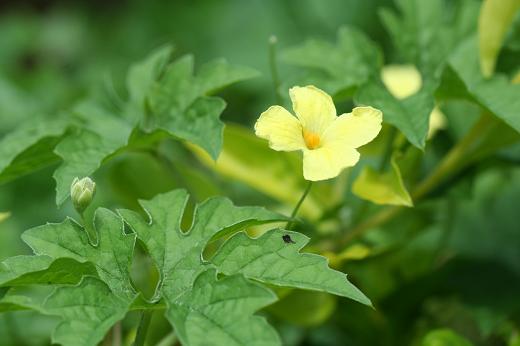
(496, 16)
(43, 270)
(200, 124)
(22, 298)
(179, 103)
(16, 105)
(385, 188)
(496, 94)
(178, 255)
(88, 311)
(142, 75)
(171, 249)
(249, 159)
(29, 147)
(15, 303)
(161, 96)
(348, 63)
(424, 33)
(271, 260)
(411, 115)
(218, 74)
(444, 337)
(84, 150)
(111, 256)
(219, 312)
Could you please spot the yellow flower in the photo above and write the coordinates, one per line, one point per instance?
(328, 141)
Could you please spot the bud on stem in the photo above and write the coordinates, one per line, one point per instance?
(82, 192)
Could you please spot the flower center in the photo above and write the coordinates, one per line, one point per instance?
(312, 140)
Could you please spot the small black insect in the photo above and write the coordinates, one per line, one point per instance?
(287, 239)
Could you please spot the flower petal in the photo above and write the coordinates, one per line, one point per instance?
(328, 161)
(355, 129)
(314, 108)
(437, 122)
(281, 129)
(401, 80)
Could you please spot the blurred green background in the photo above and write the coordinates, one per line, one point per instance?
(446, 272)
(54, 53)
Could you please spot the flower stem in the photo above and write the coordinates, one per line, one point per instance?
(146, 317)
(274, 68)
(91, 232)
(297, 207)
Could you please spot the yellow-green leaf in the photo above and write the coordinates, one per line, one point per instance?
(353, 252)
(494, 21)
(304, 308)
(382, 188)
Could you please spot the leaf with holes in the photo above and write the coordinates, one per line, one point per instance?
(213, 297)
(178, 254)
(267, 259)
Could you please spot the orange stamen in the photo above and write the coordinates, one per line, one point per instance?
(311, 139)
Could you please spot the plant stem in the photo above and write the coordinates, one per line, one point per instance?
(297, 207)
(456, 159)
(274, 68)
(168, 340)
(116, 334)
(140, 338)
(91, 232)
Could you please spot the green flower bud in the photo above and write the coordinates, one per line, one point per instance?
(82, 192)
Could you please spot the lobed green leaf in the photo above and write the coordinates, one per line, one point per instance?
(111, 256)
(29, 147)
(220, 312)
(88, 311)
(34, 270)
(271, 259)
